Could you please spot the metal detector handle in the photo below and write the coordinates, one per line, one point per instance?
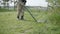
(30, 14)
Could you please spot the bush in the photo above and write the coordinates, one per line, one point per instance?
(55, 17)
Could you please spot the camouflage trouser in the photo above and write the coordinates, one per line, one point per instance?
(20, 9)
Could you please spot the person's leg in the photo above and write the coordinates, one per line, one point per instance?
(18, 15)
(19, 9)
(22, 15)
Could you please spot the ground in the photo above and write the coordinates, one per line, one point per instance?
(9, 24)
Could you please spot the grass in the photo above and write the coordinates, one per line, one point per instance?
(10, 25)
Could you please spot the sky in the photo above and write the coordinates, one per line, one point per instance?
(34, 3)
(37, 3)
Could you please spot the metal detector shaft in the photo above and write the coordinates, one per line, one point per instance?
(31, 14)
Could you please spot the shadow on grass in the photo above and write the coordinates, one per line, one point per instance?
(28, 20)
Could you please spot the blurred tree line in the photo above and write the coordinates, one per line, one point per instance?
(5, 3)
(54, 3)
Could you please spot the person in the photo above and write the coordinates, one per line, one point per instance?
(20, 7)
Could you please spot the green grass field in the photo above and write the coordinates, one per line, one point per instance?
(10, 25)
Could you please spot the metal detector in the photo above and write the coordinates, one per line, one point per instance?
(29, 11)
